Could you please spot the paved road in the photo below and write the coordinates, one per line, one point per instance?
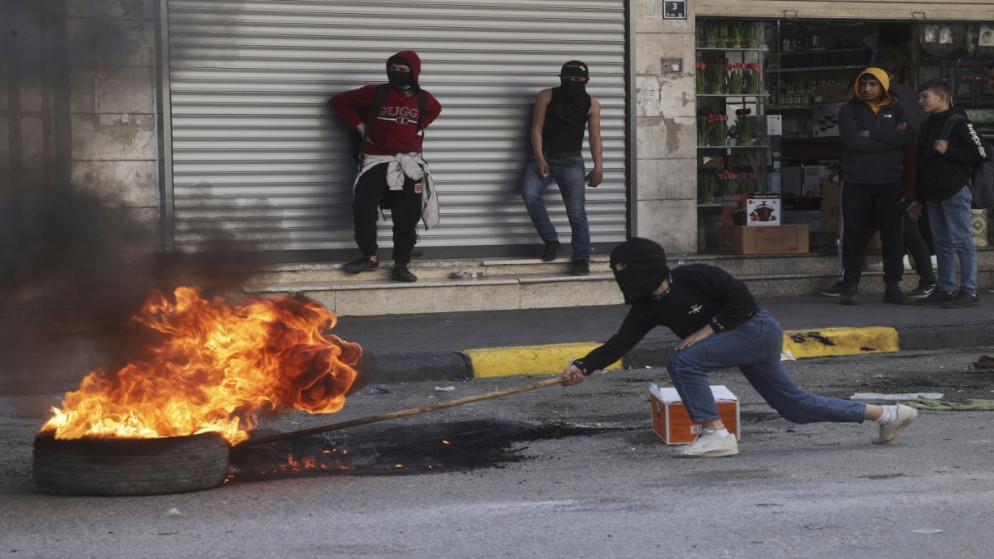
(586, 479)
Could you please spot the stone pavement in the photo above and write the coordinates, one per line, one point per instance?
(448, 346)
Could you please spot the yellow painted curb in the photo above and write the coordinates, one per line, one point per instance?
(840, 341)
(528, 360)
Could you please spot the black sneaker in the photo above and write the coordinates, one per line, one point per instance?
(581, 267)
(964, 299)
(894, 295)
(364, 264)
(550, 252)
(935, 298)
(835, 290)
(923, 290)
(850, 294)
(401, 273)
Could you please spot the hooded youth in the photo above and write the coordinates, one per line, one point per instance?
(395, 129)
(879, 157)
(697, 295)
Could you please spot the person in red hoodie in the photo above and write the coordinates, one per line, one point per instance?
(393, 172)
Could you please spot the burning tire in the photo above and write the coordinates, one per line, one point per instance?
(114, 466)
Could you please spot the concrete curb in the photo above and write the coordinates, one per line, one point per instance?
(552, 358)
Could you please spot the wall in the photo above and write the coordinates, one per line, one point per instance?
(112, 82)
(666, 149)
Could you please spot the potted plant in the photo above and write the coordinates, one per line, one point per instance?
(744, 124)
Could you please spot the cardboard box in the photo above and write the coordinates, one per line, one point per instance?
(671, 422)
(832, 93)
(733, 209)
(750, 210)
(763, 210)
(763, 240)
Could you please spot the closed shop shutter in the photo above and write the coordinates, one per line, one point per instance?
(932, 10)
(254, 152)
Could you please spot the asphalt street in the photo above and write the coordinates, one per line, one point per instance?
(588, 478)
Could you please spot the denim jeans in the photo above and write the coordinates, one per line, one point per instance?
(754, 347)
(570, 175)
(952, 234)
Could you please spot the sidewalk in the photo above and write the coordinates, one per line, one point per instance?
(437, 346)
(446, 346)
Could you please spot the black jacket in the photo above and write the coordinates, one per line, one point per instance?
(939, 176)
(699, 294)
(878, 159)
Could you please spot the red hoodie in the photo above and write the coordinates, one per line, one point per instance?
(395, 129)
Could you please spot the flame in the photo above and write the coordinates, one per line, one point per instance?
(218, 366)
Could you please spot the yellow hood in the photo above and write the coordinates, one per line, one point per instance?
(884, 80)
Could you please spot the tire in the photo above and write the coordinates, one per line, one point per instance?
(115, 466)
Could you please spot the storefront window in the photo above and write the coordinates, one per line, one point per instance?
(768, 95)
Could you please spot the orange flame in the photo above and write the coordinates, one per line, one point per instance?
(218, 366)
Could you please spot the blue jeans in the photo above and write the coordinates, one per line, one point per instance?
(570, 175)
(754, 347)
(952, 233)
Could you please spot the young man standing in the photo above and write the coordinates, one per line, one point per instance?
(948, 150)
(393, 173)
(874, 131)
(560, 117)
(721, 326)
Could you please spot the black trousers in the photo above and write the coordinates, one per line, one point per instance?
(867, 208)
(915, 244)
(371, 192)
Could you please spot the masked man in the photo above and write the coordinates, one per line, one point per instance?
(393, 172)
(559, 120)
(720, 326)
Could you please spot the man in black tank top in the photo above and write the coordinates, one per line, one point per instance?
(560, 118)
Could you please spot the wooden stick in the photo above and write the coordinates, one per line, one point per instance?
(398, 414)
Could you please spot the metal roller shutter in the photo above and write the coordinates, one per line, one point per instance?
(931, 10)
(255, 153)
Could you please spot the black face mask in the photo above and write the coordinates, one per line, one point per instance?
(644, 270)
(400, 80)
(573, 90)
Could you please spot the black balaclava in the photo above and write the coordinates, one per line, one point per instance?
(401, 80)
(645, 268)
(572, 103)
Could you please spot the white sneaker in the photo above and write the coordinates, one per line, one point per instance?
(710, 445)
(906, 415)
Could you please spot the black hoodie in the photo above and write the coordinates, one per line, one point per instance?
(940, 175)
(879, 158)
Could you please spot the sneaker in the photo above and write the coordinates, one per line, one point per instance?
(887, 433)
(923, 290)
(551, 251)
(850, 294)
(835, 290)
(894, 295)
(581, 267)
(710, 445)
(401, 273)
(934, 298)
(964, 299)
(364, 264)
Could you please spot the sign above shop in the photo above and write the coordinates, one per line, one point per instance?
(674, 9)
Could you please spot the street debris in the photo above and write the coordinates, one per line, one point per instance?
(924, 403)
(445, 388)
(898, 397)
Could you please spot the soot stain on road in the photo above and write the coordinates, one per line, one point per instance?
(406, 450)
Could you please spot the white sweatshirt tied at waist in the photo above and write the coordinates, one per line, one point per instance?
(413, 166)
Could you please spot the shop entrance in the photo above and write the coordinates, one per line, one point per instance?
(768, 95)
